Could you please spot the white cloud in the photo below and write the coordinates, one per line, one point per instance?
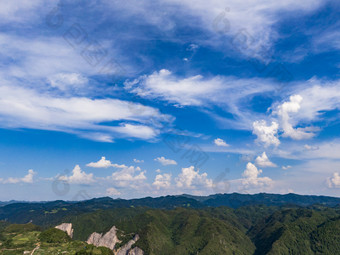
(228, 93)
(138, 161)
(328, 39)
(191, 179)
(266, 134)
(308, 103)
(162, 181)
(112, 192)
(158, 170)
(128, 177)
(310, 147)
(21, 11)
(26, 179)
(286, 167)
(327, 149)
(220, 142)
(334, 181)
(102, 163)
(78, 177)
(251, 177)
(105, 163)
(293, 106)
(220, 19)
(188, 91)
(165, 162)
(263, 161)
(65, 81)
(26, 108)
(29, 99)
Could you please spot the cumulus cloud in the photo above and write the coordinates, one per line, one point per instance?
(138, 161)
(165, 162)
(251, 177)
(266, 134)
(220, 142)
(78, 177)
(112, 192)
(102, 163)
(286, 167)
(105, 163)
(26, 179)
(190, 179)
(293, 106)
(128, 177)
(162, 181)
(263, 161)
(334, 181)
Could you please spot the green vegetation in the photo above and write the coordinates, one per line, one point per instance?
(181, 227)
(20, 228)
(18, 238)
(92, 250)
(222, 230)
(53, 235)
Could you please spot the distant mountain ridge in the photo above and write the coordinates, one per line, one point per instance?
(42, 212)
(236, 200)
(233, 200)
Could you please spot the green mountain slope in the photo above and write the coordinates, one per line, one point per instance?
(296, 231)
(178, 228)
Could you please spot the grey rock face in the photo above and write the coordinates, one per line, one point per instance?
(126, 249)
(108, 240)
(136, 251)
(66, 227)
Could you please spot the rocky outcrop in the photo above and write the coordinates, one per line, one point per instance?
(108, 240)
(136, 251)
(126, 249)
(66, 227)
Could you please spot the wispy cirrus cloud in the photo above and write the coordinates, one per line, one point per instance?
(228, 93)
(27, 108)
(221, 21)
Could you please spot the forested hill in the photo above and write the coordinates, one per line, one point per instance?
(40, 212)
(217, 224)
(252, 230)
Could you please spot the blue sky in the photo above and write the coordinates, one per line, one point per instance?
(142, 98)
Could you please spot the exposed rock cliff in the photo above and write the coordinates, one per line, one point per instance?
(66, 227)
(126, 249)
(136, 251)
(108, 240)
